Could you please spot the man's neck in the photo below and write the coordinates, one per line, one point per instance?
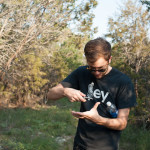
(109, 69)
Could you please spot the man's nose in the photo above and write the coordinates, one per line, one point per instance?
(96, 72)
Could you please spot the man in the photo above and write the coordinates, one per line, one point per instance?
(94, 85)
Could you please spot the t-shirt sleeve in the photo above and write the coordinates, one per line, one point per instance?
(126, 96)
(71, 80)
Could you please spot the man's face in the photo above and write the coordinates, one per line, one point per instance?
(98, 68)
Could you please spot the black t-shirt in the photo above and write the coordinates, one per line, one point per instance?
(115, 87)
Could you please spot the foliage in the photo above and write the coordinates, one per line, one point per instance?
(40, 27)
(34, 24)
(69, 56)
(28, 77)
(129, 33)
(131, 140)
(147, 3)
(42, 129)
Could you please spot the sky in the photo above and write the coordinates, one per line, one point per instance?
(104, 10)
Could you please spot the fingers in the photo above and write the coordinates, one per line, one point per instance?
(72, 100)
(82, 94)
(77, 98)
(81, 97)
(77, 114)
(76, 95)
(96, 105)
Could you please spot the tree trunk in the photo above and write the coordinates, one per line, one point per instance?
(136, 88)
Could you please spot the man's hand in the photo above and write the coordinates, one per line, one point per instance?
(74, 95)
(118, 123)
(91, 115)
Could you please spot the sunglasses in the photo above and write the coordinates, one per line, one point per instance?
(99, 70)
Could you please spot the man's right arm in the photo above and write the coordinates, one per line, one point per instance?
(59, 91)
(56, 92)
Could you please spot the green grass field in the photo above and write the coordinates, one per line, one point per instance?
(38, 129)
(53, 128)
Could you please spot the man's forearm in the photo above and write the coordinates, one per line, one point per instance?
(55, 93)
(115, 124)
(59, 91)
(118, 123)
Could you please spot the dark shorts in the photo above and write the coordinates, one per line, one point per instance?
(78, 147)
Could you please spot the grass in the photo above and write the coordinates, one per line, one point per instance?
(134, 138)
(53, 128)
(42, 129)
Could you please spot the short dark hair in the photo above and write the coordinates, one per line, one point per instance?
(96, 48)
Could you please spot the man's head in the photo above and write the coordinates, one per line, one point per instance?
(97, 48)
(98, 55)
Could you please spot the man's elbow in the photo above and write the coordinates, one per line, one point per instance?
(55, 94)
(49, 96)
(123, 126)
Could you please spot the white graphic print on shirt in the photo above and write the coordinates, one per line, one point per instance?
(90, 91)
(96, 93)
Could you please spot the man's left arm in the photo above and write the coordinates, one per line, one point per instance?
(118, 123)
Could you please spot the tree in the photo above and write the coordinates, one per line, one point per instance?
(27, 82)
(147, 3)
(129, 34)
(68, 57)
(30, 24)
(22, 22)
(40, 27)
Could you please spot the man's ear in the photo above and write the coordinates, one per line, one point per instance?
(110, 59)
